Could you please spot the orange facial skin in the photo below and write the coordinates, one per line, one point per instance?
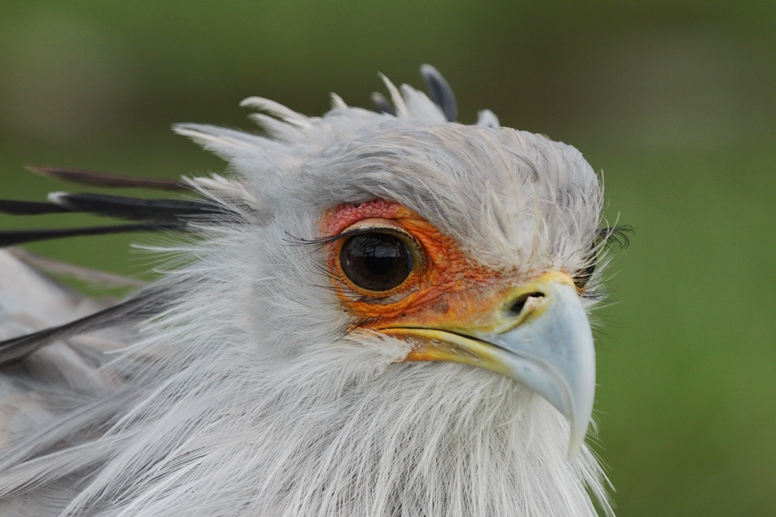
(446, 291)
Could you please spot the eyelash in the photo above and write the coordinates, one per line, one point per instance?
(606, 238)
(614, 235)
(322, 242)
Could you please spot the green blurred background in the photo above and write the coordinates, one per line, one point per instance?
(674, 101)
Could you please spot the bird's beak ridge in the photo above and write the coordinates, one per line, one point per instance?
(542, 339)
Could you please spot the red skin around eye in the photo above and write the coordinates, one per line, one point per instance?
(448, 285)
(336, 220)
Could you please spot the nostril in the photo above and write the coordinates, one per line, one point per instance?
(517, 307)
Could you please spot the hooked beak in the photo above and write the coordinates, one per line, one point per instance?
(540, 337)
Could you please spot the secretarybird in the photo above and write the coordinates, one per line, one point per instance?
(371, 314)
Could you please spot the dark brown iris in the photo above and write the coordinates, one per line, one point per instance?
(376, 261)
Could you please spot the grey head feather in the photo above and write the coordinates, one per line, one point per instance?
(382, 104)
(487, 118)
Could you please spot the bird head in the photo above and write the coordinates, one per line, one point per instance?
(435, 241)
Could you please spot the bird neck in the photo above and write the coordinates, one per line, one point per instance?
(380, 438)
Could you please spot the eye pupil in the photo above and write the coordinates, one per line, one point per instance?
(376, 261)
(380, 263)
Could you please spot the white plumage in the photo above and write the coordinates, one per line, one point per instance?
(250, 386)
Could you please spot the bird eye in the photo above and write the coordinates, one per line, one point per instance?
(376, 261)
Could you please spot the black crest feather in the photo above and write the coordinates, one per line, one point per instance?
(102, 179)
(145, 304)
(14, 237)
(440, 92)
